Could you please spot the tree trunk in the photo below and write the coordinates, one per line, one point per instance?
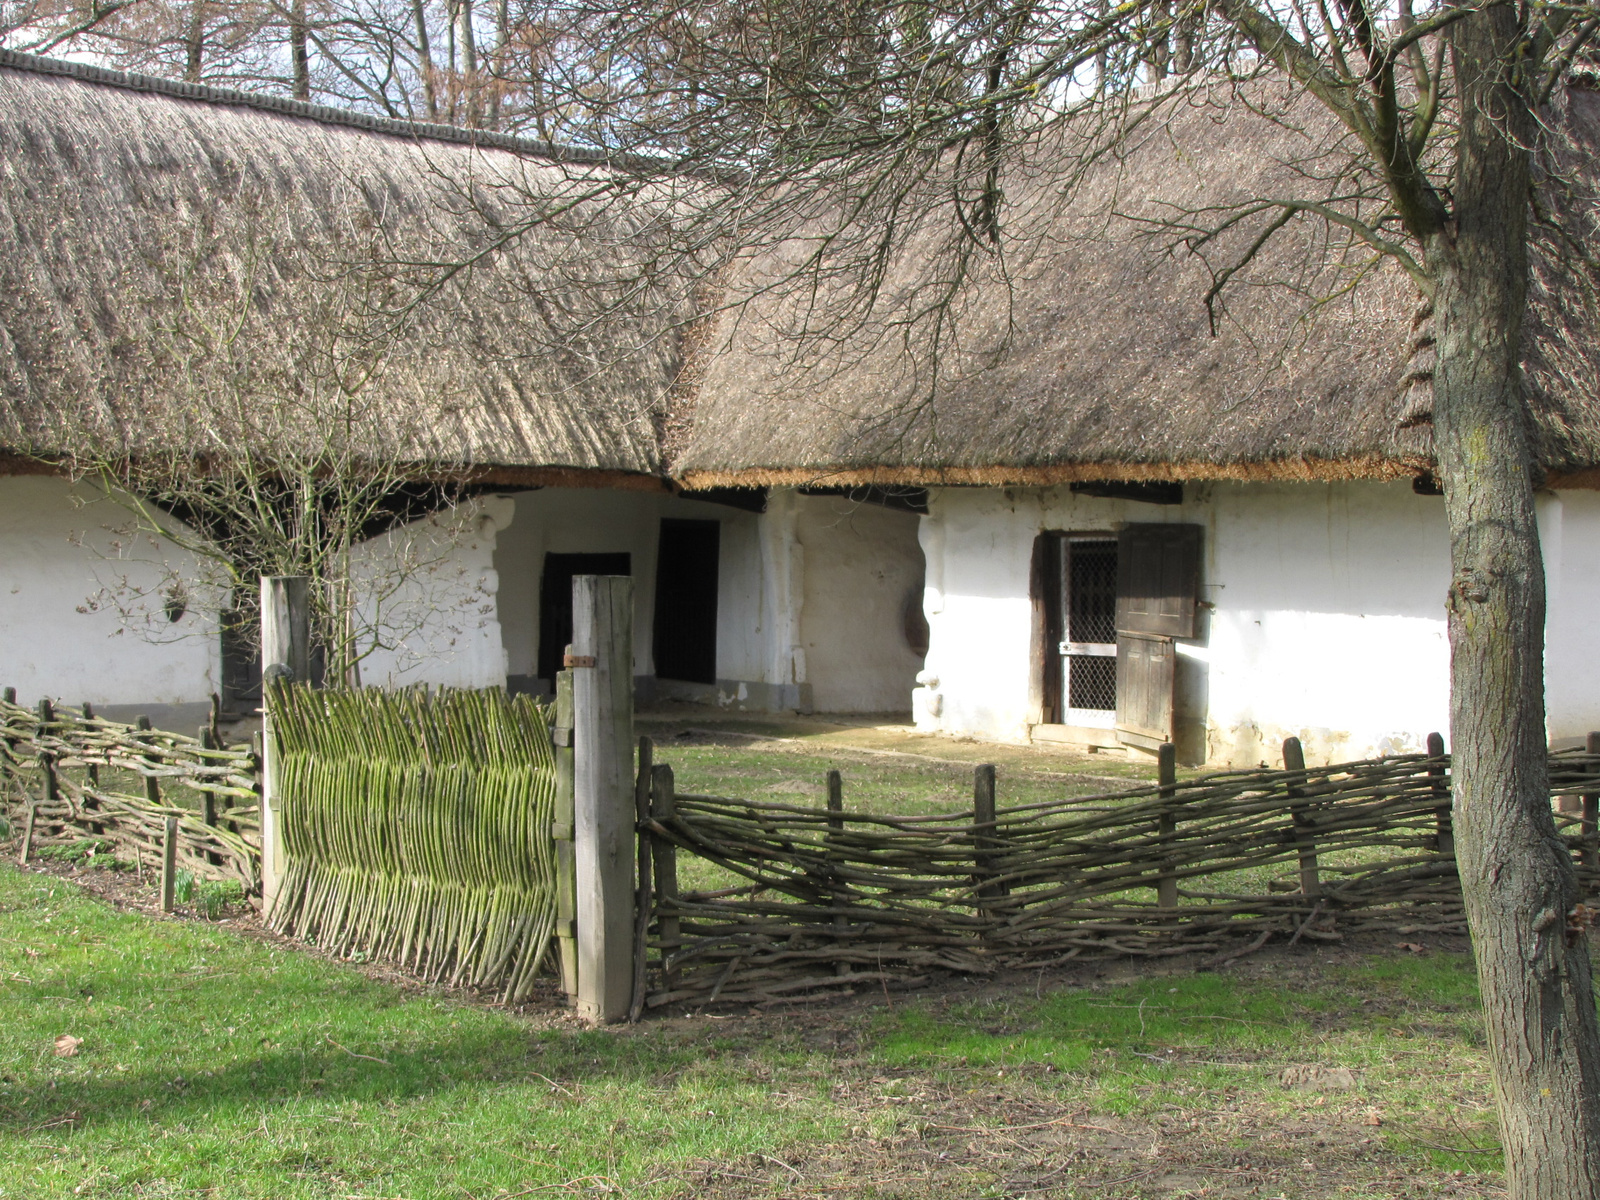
(425, 59)
(1516, 874)
(299, 53)
(194, 42)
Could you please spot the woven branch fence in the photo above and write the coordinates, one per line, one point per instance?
(417, 828)
(75, 776)
(834, 898)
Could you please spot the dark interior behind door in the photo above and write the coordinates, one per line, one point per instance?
(686, 601)
(555, 601)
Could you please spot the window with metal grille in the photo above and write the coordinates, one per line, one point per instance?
(1089, 611)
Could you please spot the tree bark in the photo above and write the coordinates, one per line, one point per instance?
(299, 53)
(430, 94)
(1517, 877)
(194, 42)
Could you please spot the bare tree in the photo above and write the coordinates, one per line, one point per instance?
(278, 446)
(432, 60)
(853, 134)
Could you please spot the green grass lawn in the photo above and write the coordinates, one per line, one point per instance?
(214, 1064)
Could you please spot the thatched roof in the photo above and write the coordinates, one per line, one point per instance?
(139, 214)
(1087, 352)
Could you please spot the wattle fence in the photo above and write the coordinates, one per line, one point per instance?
(833, 899)
(437, 830)
(145, 794)
(416, 827)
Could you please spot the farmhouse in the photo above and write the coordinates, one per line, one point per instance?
(1150, 521)
(131, 202)
(1102, 514)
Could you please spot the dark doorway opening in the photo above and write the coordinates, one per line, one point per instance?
(555, 601)
(686, 601)
(241, 662)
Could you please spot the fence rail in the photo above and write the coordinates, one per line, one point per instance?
(181, 801)
(833, 897)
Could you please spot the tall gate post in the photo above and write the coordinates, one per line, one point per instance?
(603, 827)
(285, 655)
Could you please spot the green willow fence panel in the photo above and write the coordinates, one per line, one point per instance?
(416, 827)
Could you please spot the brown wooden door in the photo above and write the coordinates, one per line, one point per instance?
(1158, 579)
(1158, 586)
(1146, 675)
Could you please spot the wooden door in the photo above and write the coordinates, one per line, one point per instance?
(1158, 586)
(1146, 675)
(1158, 579)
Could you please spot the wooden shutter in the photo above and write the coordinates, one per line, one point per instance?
(1146, 672)
(1158, 579)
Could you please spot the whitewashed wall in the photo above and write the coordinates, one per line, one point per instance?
(430, 594)
(863, 566)
(59, 554)
(1323, 613)
(810, 597)
(596, 521)
(1569, 530)
(810, 606)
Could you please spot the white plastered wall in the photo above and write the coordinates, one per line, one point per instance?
(862, 568)
(600, 521)
(1569, 532)
(811, 598)
(429, 593)
(63, 569)
(810, 601)
(1322, 617)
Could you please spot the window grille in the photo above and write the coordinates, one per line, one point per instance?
(1089, 598)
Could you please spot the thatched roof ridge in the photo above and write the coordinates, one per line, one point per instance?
(1091, 355)
(326, 114)
(129, 202)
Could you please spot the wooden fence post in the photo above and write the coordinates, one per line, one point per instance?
(169, 864)
(208, 741)
(258, 764)
(91, 774)
(1589, 825)
(602, 711)
(285, 656)
(152, 785)
(983, 819)
(7, 763)
(1294, 759)
(1445, 840)
(836, 826)
(1167, 822)
(566, 865)
(642, 892)
(47, 784)
(663, 807)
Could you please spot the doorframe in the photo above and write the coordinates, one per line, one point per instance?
(1047, 700)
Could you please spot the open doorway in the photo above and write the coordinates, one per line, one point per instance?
(1108, 609)
(686, 601)
(555, 602)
